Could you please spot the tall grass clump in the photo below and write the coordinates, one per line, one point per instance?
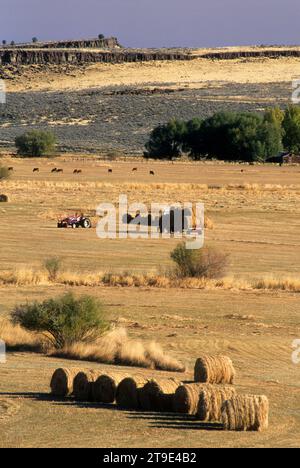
(53, 266)
(63, 320)
(199, 263)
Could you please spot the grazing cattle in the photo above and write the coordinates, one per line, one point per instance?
(3, 198)
(59, 170)
(36, 169)
(152, 173)
(10, 168)
(134, 169)
(242, 170)
(75, 171)
(110, 171)
(53, 170)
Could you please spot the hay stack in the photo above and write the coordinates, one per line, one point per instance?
(186, 398)
(62, 382)
(158, 395)
(214, 370)
(128, 390)
(82, 386)
(105, 387)
(211, 399)
(246, 413)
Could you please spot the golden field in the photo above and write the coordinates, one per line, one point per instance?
(252, 315)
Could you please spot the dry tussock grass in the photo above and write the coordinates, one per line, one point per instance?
(141, 187)
(31, 277)
(117, 348)
(16, 337)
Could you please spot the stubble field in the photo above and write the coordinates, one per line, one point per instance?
(256, 220)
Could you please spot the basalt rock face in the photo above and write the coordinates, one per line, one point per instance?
(269, 53)
(73, 56)
(76, 53)
(106, 43)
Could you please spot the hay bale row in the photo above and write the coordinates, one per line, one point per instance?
(83, 384)
(246, 413)
(104, 388)
(186, 398)
(211, 400)
(158, 395)
(62, 382)
(214, 370)
(128, 392)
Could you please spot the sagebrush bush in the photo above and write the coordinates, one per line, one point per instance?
(35, 143)
(199, 263)
(53, 266)
(64, 320)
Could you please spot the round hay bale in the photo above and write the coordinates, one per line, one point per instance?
(62, 382)
(105, 387)
(214, 370)
(82, 386)
(211, 400)
(127, 395)
(186, 398)
(3, 198)
(245, 413)
(158, 395)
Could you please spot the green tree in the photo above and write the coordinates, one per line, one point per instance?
(166, 141)
(101, 37)
(35, 143)
(4, 42)
(34, 40)
(64, 320)
(12, 43)
(291, 127)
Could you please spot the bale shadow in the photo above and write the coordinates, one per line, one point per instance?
(176, 421)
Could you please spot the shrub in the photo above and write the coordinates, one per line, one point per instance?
(34, 40)
(35, 143)
(53, 266)
(64, 320)
(101, 37)
(200, 263)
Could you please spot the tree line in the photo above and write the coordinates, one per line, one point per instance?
(230, 136)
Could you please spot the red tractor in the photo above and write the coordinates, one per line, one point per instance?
(74, 222)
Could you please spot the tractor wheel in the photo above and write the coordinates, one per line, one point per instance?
(86, 223)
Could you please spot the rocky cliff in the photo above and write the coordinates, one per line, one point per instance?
(74, 56)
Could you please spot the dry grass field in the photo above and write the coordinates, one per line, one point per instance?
(256, 220)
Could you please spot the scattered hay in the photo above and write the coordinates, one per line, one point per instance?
(128, 391)
(186, 398)
(62, 382)
(214, 370)
(162, 361)
(211, 400)
(158, 395)
(104, 388)
(246, 413)
(83, 383)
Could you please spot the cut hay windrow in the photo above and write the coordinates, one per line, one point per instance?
(214, 369)
(62, 382)
(105, 386)
(128, 391)
(246, 413)
(186, 398)
(82, 386)
(158, 395)
(211, 399)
